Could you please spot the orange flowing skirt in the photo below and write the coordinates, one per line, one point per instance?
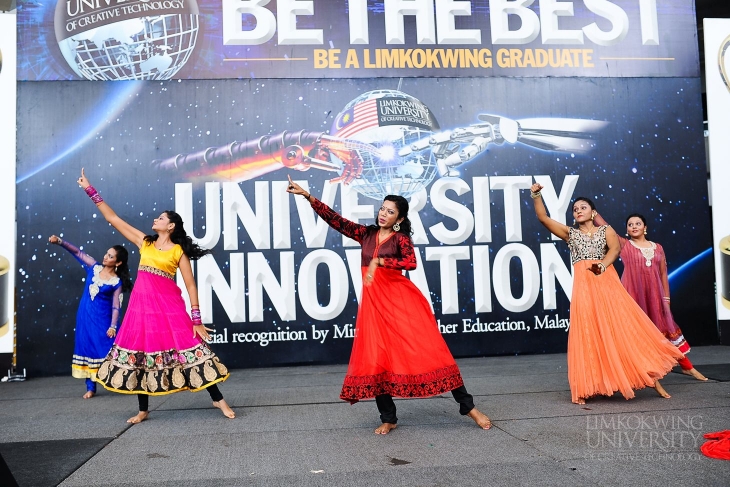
(398, 349)
(612, 345)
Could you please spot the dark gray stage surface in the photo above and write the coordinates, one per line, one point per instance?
(292, 430)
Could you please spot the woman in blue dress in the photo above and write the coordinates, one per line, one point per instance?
(98, 314)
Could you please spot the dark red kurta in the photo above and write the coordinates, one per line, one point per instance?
(398, 349)
(645, 284)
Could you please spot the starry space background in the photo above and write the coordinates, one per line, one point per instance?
(650, 158)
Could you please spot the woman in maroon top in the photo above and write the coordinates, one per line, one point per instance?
(398, 349)
(646, 280)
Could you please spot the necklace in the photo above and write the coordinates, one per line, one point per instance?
(159, 246)
(593, 227)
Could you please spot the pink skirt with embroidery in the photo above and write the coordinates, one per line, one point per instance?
(156, 351)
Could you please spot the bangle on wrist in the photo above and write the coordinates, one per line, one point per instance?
(603, 267)
(93, 194)
(535, 196)
(666, 298)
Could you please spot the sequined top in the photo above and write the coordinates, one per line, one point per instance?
(583, 247)
(163, 260)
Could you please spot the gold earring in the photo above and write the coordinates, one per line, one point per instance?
(645, 231)
(396, 227)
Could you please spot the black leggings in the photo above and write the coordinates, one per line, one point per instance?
(386, 406)
(144, 399)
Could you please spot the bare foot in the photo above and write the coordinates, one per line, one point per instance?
(661, 390)
(480, 419)
(580, 401)
(223, 406)
(385, 428)
(90, 394)
(139, 417)
(694, 373)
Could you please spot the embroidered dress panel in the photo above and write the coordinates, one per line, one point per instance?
(97, 281)
(647, 252)
(583, 247)
(157, 272)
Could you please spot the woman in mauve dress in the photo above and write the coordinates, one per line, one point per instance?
(612, 344)
(646, 280)
(398, 349)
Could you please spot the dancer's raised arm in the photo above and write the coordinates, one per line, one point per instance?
(85, 259)
(128, 231)
(555, 227)
(346, 227)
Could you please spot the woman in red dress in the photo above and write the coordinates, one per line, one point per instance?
(398, 349)
(645, 278)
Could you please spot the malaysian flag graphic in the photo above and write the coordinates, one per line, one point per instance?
(357, 118)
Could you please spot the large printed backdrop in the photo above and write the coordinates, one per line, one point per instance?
(648, 158)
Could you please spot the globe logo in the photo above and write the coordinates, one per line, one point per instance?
(377, 124)
(126, 39)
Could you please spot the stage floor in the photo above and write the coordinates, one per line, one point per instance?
(292, 430)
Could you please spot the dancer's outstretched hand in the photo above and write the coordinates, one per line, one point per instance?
(83, 182)
(202, 332)
(54, 239)
(294, 188)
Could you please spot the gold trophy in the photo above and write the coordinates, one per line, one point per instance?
(725, 271)
(4, 308)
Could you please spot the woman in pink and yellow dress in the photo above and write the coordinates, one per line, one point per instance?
(646, 280)
(612, 345)
(159, 348)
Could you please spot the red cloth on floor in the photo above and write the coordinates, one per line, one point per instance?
(718, 446)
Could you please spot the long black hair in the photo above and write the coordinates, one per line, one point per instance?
(402, 204)
(122, 269)
(180, 237)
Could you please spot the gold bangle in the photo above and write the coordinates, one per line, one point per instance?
(535, 196)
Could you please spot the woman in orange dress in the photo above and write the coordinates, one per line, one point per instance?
(612, 345)
(398, 349)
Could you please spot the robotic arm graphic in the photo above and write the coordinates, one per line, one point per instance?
(453, 148)
(302, 150)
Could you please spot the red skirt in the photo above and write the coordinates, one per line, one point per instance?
(398, 349)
